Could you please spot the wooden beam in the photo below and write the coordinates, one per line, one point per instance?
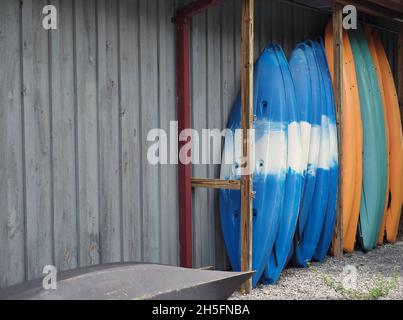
(216, 184)
(338, 99)
(374, 9)
(395, 5)
(195, 8)
(247, 34)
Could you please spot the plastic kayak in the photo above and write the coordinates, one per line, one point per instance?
(304, 54)
(330, 213)
(270, 146)
(352, 140)
(374, 143)
(309, 239)
(372, 49)
(395, 190)
(293, 185)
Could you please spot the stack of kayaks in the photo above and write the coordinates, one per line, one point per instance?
(394, 140)
(277, 175)
(318, 207)
(352, 140)
(295, 173)
(394, 193)
(372, 141)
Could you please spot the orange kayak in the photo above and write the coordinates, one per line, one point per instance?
(393, 208)
(352, 140)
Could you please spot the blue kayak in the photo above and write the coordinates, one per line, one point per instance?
(314, 132)
(293, 185)
(330, 214)
(301, 75)
(315, 218)
(270, 144)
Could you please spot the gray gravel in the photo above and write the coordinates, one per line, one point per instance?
(324, 281)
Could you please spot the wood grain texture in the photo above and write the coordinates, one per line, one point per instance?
(214, 122)
(211, 183)
(247, 31)
(38, 145)
(108, 122)
(229, 68)
(12, 253)
(230, 39)
(338, 96)
(199, 107)
(87, 131)
(168, 187)
(149, 120)
(131, 143)
(63, 132)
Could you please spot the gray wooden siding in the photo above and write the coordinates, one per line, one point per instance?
(76, 105)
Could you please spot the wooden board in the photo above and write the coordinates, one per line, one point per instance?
(38, 144)
(12, 172)
(216, 183)
(63, 137)
(167, 105)
(338, 99)
(214, 120)
(247, 31)
(149, 109)
(87, 132)
(109, 126)
(131, 132)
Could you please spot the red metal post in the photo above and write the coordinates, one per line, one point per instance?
(183, 110)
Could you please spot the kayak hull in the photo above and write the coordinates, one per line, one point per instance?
(293, 185)
(269, 172)
(352, 140)
(374, 145)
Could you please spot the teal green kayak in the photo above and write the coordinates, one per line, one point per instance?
(374, 145)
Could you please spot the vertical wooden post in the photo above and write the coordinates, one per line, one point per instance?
(338, 98)
(247, 118)
(400, 83)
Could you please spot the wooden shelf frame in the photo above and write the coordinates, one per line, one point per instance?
(245, 185)
(186, 182)
(216, 184)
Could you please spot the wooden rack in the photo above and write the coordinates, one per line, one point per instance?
(245, 185)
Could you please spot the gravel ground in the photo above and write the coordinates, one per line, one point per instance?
(379, 275)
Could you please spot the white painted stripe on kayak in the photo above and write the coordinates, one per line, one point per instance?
(314, 146)
(271, 149)
(333, 145)
(294, 159)
(306, 138)
(324, 154)
(274, 151)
